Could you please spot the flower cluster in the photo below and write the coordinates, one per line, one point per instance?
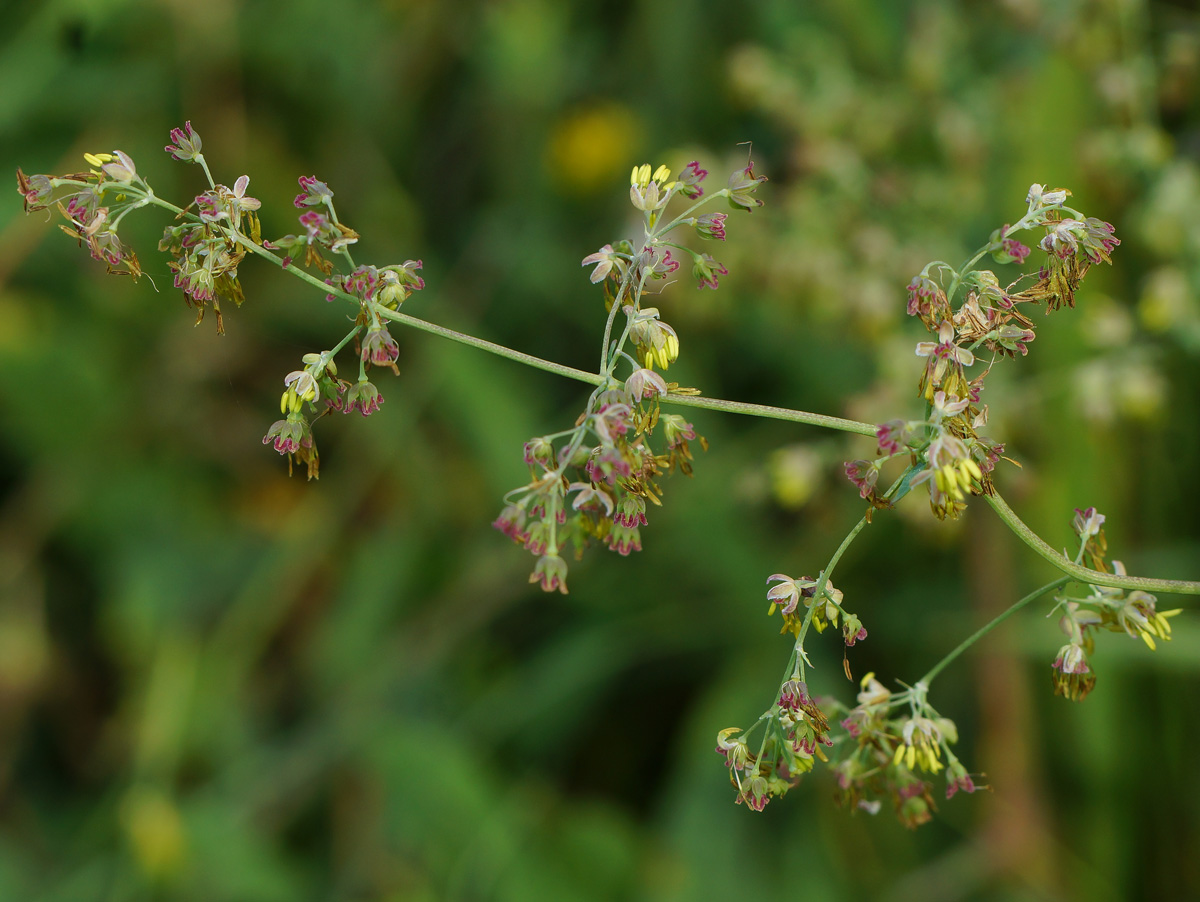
(946, 448)
(387, 286)
(795, 731)
(606, 472)
(812, 601)
(1134, 613)
(605, 468)
(206, 249)
(885, 746)
(886, 749)
(93, 205)
(317, 229)
(209, 240)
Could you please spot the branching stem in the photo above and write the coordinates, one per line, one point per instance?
(1028, 536)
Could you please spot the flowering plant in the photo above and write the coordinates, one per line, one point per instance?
(595, 482)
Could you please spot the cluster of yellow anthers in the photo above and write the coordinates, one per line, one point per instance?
(1137, 614)
(1156, 624)
(302, 385)
(922, 746)
(955, 478)
(649, 191)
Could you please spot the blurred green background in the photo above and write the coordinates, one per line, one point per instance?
(218, 683)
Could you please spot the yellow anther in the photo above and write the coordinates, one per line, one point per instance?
(661, 174)
(947, 481)
(97, 159)
(671, 345)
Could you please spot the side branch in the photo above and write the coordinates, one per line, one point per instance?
(989, 626)
(774, 413)
(1081, 573)
(757, 410)
(491, 347)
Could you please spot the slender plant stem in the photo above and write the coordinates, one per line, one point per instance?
(1079, 572)
(988, 627)
(774, 413)
(204, 165)
(332, 352)
(491, 347)
(798, 658)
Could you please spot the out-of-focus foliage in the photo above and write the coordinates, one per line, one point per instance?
(222, 684)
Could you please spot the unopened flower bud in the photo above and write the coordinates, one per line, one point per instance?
(187, 144)
(742, 185)
(550, 573)
(35, 189)
(1087, 523)
(706, 270)
(864, 474)
(689, 180)
(363, 397)
(287, 435)
(539, 450)
(957, 778)
(379, 348)
(631, 511)
(676, 429)
(624, 539)
(397, 282)
(711, 225)
(314, 192)
(852, 629)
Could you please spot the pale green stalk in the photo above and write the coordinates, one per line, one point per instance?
(1077, 571)
(988, 627)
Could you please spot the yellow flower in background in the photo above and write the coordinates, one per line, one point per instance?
(155, 831)
(589, 147)
(795, 474)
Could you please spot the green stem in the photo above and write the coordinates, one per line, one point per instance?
(491, 347)
(204, 166)
(823, 581)
(612, 315)
(686, 214)
(345, 251)
(959, 273)
(333, 352)
(772, 413)
(1080, 573)
(988, 627)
